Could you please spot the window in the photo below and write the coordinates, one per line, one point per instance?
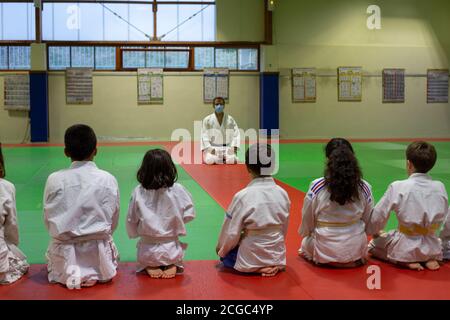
(166, 58)
(17, 21)
(244, 59)
(204, 58)
(15, 58)
(99, 58)
(65, 21)
(186, 22)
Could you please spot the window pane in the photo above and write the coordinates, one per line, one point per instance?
(134, 59)
(19, 57)
(167, 20)
(141, 16)
(204, 58)
(91, 26)
(83, 57)
(177, 59)
(4, 58)
(155, 59)
(116, 28)
(186, 22)
(226, 58)
(105, 58)
(17, 21)
(248, 59)
(66, 21)
(59, 58)
(47, 22)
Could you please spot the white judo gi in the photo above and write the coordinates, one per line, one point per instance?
(257, 221)
(158, 217)
(13, 263)
(220, 138)
(81, 208)
(421, 206)
(445, 237)
(334, 233)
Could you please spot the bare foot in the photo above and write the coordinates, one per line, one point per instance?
(89, 283)
(154, 272)
(170, 272)
(432, 265)
(415, 266)
(269, 271)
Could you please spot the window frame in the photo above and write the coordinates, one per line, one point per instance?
(21, 43)
(158, 46)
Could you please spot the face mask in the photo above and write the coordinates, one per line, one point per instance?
(219, 108)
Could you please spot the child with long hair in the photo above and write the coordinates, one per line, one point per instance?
(336, 210)
(158, 212)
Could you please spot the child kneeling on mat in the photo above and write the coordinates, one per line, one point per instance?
(421, 206)
(253, 234)
(336, 210)
(13, 263)
(81, 207)
(445, 238)
(158, 211)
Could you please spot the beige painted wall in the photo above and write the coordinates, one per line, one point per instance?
(13, 124)
(116, 114)
(240, 20)
(328, 34)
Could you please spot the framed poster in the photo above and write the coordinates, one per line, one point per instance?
(79, 86)
(150, 86)
(393, 85)
(350, 84)
(304, 88)
(17, 92)
(437, 86)
(216, 83)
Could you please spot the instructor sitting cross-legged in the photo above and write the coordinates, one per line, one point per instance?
(220, 136)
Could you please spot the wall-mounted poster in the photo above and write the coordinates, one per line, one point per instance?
(215, 84)
(394, 85)
(79, 86)
(350, 83)
(437, 87)
(304, 85)
(17, 92)
(150, 86)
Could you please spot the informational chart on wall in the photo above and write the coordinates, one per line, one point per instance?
(350, 83)
(79, 86)
(304, 88)
(437, 91)
(150, 86)
(17, 92)
(216, 82)
(394, 85)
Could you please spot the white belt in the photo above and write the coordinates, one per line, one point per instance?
(80, 239)
(155, 240)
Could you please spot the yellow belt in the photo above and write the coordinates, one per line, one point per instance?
(325, 224)
(258, 232)
(416, 230)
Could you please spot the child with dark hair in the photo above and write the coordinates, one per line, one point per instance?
(335, 211)
(81, 207)
(157, 214)
(421, 206)
(13, 263)
(252, 238)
